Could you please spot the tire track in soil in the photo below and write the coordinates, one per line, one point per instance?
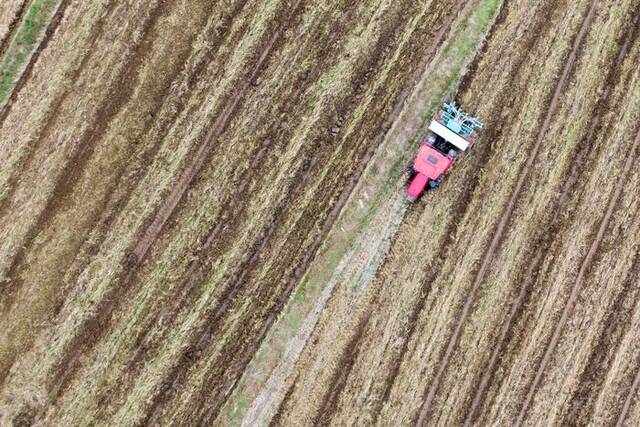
(9, 293)
(577, 169)
(104, 223)
(577, 286)
(504, 337)
(505, 217)
(95, 326)
(425, 288)
(461, 207)
(24, 76)
(13, 26)
(627, 403)
(231, 204)
(196, 268)
(74, 168)
(53, 113)
(277, 417)
(517, 69)
(608, 344)
(204, 339)
(302, 178)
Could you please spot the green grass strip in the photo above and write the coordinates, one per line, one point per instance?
(24, 43)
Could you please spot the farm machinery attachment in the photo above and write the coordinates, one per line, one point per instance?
(451, 132)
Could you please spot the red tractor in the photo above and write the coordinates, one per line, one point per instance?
(450, 132)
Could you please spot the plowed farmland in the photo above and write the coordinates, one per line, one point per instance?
(202, 218)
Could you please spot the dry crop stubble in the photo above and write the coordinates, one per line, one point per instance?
(118, 220)
(161, 288)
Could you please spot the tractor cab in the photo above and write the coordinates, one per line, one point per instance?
(451, 132)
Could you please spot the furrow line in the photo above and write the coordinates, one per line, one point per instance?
(277, 417)
(608, 344)
(310, 254)
(502, 225)
(362, 164)
(233, 205)
(302, 179)
(488, 372)
(188, 77)
(74, 167)
(109, 204)
(460, 208)
(339, 378)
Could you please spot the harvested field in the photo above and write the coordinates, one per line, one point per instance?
(202, 216)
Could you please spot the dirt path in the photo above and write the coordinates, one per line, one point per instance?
(506, 216)
(303, 182)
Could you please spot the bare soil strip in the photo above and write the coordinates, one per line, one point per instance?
(542, 247)
(577, 286)
(68, 363)
(74, 167)
(48, 128)
(233, 205)
(77, 348)
(451, 231)
(433, 388)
